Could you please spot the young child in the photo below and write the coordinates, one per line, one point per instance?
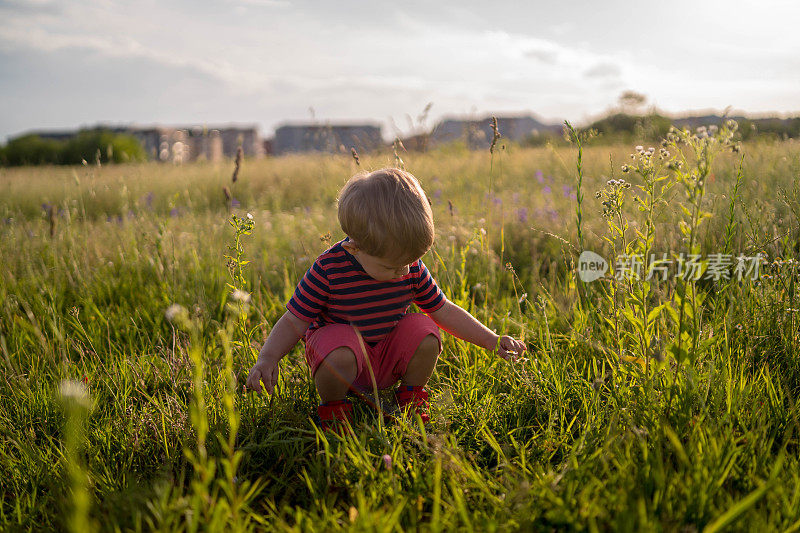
(352, 304)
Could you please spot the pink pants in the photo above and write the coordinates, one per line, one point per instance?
(388, 359)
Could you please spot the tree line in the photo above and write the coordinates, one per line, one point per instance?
(87, 146)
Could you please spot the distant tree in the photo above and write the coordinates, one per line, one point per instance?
(630, 101)
(89, 145)
(625, 127)
(32, 150)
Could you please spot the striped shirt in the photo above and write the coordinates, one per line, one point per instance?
(337, 290)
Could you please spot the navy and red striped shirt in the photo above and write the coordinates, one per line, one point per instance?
(337, 290)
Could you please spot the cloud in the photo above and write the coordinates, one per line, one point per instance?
(549, 57)
(603, 70)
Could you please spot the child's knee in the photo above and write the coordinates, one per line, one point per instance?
(342, 361)
(430, 345)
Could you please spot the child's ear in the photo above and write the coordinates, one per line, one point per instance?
(350, 246)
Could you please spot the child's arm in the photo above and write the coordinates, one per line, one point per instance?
(284, 335)
(456, 321)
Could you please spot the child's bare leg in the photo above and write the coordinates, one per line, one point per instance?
(422, 363)
(335, 375)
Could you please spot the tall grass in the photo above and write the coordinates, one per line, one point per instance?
(607, 425)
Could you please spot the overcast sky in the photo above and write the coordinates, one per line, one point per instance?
(67, 63)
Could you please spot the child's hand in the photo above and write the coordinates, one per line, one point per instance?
(509, 349)
(265, 371)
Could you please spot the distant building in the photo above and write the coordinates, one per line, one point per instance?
(478, 134)
(182, 144)
(326, 138)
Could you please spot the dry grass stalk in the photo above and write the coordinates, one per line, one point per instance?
(51, 219)
(496, 134)
(237, 164)
(227, 193)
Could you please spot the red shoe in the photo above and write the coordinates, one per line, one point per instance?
(414, 399)
(332, 415)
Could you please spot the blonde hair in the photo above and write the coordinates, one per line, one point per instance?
(387, 214)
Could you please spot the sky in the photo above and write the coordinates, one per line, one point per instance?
(68, 63)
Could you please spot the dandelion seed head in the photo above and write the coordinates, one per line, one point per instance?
(240, 296)
(74, 391)
(174, 312)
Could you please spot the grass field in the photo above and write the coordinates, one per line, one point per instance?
(643, 405)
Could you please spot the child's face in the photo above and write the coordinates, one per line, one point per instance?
(379, 268)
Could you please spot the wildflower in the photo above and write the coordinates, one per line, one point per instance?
(546, 189)
(387, 461)
(713, 129)
(249, 216)
(639, 148)
(625, 168)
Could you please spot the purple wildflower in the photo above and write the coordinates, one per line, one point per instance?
(174, 212)
(565, 190)
(539, 176)
(546, 189)
(522, 215)
(235, 203)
